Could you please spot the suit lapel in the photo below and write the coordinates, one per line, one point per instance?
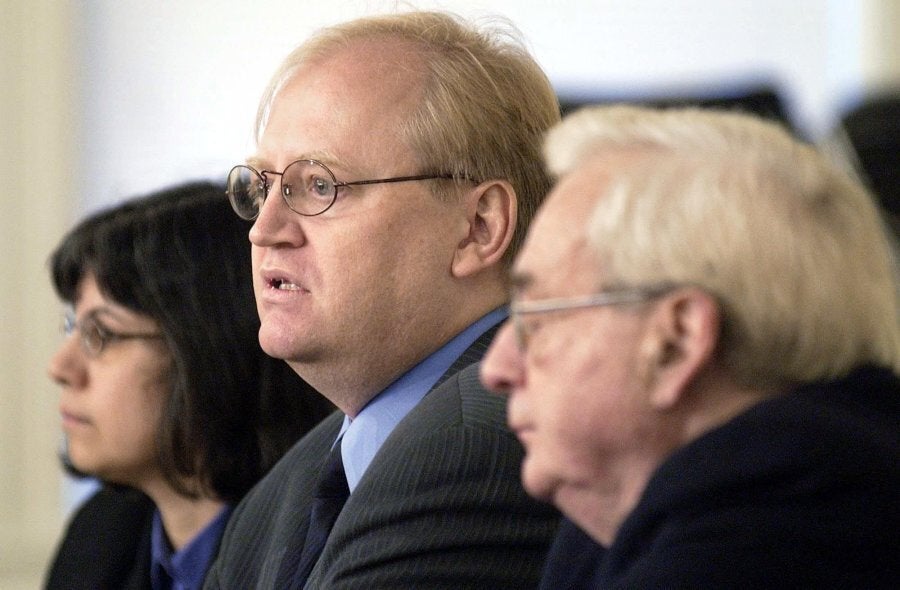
(472, 354)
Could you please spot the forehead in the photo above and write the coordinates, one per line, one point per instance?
(92, 302)
(350, 104)
(556, 249)
(557, 243)
(87, 291)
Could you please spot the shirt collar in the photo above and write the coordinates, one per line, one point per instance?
(187, 567)
(362, 437)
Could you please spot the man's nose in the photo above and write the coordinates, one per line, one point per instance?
(502, 368)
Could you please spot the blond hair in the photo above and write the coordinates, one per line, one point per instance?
(486, 107)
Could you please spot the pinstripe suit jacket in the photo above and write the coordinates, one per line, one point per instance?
(440, 506)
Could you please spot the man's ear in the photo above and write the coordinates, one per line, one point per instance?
(680, 342)
(491, 213)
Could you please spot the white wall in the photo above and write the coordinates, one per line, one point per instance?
(102, 99)
(170, 88)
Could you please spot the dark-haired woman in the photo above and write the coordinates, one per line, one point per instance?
(166, 397)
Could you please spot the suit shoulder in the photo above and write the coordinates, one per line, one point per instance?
(116, 502)
(460, 400)
(102, 542)
(265, 523)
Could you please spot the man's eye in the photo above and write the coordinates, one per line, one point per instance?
(532, 325)
(321, 187)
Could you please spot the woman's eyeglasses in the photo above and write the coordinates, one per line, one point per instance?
(94, 337)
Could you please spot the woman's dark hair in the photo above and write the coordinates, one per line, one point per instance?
(182, 257)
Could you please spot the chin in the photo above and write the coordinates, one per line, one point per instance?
(287, 346)
(271, 349)
(75, 457)
(80, 466)
(537, 483)
(277, 341)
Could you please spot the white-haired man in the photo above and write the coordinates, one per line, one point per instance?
(702, 359)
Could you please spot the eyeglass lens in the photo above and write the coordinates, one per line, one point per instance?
(307, 187)
(521, 331)
(90, 334)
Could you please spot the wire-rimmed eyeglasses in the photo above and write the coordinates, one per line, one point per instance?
(94, 337)
(308, 187)
(517, 309)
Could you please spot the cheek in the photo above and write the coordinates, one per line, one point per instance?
(555, 456)
(566, 428)
(581, 401)
(256, 258)
(120, 444)
(136, 405)
(556, 429)
(426, 233)
(343, 263)
(387, 272)
(569, 380)
(147, 398)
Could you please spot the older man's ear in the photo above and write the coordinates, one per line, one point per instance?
(680, 342)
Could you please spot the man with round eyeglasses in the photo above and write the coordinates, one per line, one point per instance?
(397, 166)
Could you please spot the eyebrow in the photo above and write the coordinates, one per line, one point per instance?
(254, 162)
(101, 313)
(325, 156)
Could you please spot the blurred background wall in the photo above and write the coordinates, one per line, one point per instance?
(105, 99)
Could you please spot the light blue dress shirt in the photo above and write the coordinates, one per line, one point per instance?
(363, 436)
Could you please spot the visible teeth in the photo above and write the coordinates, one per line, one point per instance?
(285, 286)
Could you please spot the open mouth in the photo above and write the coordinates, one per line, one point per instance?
(283, 285)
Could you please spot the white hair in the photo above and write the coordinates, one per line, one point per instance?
(794, 250)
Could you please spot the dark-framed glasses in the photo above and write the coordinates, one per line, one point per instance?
(518, 309)
(94, 337)
(308, 187)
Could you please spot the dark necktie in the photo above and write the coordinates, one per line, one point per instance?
(329, 497)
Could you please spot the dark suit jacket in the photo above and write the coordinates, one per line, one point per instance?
(573, 559)
(801, 491)
(440, 506)
(106, 545)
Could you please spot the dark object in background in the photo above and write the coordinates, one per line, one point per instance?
(763, 100)
(872, 130)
